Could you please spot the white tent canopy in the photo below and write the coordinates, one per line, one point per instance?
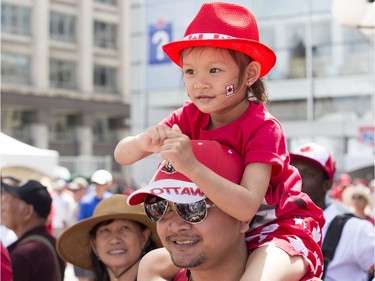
(14, 153)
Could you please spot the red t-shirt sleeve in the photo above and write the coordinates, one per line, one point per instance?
(6, 268)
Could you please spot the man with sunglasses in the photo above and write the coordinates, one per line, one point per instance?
(354, 254)
(203, 241)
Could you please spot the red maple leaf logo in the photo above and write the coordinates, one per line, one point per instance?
(306, 149)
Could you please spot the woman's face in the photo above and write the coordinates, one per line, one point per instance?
(120, 243)
(359, 202)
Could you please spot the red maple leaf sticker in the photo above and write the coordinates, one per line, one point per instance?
(306, 149)
(230, 90)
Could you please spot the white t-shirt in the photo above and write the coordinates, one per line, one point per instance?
(63, 205)
(7, 236)
(355, 252)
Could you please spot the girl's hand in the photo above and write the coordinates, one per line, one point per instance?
(178, 151)
(153, 138)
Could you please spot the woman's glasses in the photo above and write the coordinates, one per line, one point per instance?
(358, 197)
(156, 207)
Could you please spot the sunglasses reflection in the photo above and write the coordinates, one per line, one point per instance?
(156, 207)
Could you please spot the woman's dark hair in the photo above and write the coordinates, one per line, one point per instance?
(98, 267)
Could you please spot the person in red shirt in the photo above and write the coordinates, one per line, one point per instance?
(6, 273)
(344, 181)
(223, 62)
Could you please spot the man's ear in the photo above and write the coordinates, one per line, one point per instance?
(27, 211)
(252, 72)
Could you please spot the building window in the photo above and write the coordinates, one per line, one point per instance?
(15, 68)
(109, 2)
(104, 131)
(62, 74)
(343, 109)
(62, 27)
(105, 35)
(289, 110)
(62, 127)
(17, 123)
(15, 19)
(105, 79)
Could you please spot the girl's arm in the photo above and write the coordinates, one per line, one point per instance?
(133, 148)
(157, 266)
(246, 197)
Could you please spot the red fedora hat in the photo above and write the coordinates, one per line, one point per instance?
(224, 25)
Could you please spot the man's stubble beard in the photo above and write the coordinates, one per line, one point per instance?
(197, 261)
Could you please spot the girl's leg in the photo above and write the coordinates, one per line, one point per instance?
(269, 263)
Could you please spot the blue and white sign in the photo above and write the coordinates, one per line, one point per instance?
(159, 34)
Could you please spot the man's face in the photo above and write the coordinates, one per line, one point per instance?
(314, 181)
(100, 189)
(12, 211)
(212, 242)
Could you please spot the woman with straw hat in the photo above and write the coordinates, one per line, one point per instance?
(111, 242)
(360, 201)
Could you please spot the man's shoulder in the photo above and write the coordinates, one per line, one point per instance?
(88, 198)
(353, 223)
(35, 245)
(39, 235)
(107, 194)
(34, 257)
(334, 209)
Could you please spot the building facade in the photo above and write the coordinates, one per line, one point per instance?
(64, 69)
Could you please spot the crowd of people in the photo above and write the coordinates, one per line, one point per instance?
(35, 215)
(228, 201)
(353, 256)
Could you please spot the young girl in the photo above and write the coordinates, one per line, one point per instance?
(222, 62)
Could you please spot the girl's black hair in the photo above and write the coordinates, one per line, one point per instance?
(257, 91)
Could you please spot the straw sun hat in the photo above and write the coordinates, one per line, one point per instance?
(358, 189)
(74, 243)
(224, 25)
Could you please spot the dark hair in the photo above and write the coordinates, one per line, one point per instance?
(98, 267)
(257, 92)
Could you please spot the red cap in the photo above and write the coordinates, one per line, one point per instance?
(224, 25)
(174, 186)
(317, 155)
